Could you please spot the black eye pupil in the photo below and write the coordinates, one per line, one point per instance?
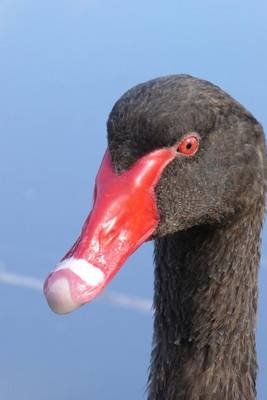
(188, 146)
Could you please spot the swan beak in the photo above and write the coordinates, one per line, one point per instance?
(124, 215)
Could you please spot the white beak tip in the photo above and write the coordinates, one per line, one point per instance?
(59, 297)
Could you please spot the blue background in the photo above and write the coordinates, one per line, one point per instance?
(62, 66)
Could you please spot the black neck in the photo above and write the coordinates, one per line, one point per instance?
(205, 309)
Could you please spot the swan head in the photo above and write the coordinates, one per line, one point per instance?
(181, 152)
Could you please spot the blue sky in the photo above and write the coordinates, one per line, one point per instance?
(62, 66)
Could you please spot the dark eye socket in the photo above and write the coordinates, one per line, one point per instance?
(189, 145)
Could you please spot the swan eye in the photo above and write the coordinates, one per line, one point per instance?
(188, 145)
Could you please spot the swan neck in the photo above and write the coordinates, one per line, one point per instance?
(205, 312)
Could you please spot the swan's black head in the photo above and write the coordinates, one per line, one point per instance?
(225, 176)
(146, 187)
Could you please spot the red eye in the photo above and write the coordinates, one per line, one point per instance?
(189, 145)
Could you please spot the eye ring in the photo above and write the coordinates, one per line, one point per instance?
(189, 145)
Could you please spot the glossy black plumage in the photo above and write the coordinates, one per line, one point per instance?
(207, 244)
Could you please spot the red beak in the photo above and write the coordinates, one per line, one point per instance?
(124, 215)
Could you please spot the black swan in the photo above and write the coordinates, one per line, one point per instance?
(186, 165)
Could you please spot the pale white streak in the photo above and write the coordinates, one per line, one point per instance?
(136, 303)
(20, 280)
(86, 271)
